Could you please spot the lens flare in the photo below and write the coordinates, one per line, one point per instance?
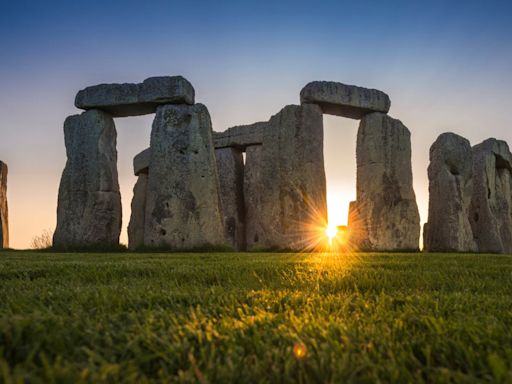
(331, 231)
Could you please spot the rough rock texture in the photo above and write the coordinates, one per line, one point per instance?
(491, 205)
(385, 216)
(136, 99)
(4, 214)
(344, 100)
(230, 166)
(240, 136)
(141, 162)
(138, 214)
(284, 183)
(89, 206)
(183, 203)
(450, 188)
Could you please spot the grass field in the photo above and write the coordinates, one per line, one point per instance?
(255, 318)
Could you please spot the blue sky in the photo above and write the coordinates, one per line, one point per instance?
(446, 66)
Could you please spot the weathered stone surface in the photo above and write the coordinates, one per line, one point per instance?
(284, 182)
(491, 205)
(183, 203)
(345, 100)
(450, 188)
(385, 216)
(240, 136)
(141, 162)
(89, 206)
(138, 214)
(136, 99)
(4, 214)
(230, 166)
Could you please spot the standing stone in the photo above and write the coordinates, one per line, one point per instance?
(230, 166)
(138, 214)
(450, 187)
(89, 206)
(121, 100)
(183, 203)
(345, 100)
(284, 184)
(491, 205)
(385, 216)
(4, 217)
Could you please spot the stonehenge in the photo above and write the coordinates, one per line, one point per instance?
(4, 217)
(470, 204)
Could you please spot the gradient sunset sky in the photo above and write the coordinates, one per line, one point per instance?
(447, 66)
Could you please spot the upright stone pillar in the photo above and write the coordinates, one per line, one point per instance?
(450, 187)
(284, 185)
(138, 213)
(491, 205)
(89, 205)
(183, 203)
(230, 166)
(4, 216)
(385, 216)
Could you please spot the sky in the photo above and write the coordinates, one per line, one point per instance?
(446, 65)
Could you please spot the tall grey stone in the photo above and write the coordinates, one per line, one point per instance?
(138, 213)
(450, 188)
(491, 205)
(141, 162)
(122, 100)
(230, 166)
(183, 203)
(89, 205)
(385, 215)
(284, 183)
(344, 100)
(4, 214)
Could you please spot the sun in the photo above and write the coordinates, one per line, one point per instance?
(331, 231)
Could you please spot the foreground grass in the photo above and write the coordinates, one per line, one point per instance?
(255, 318)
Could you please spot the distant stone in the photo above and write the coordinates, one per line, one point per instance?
(491, 205)
(240, 136)
(141, 162)
(121, 100)
(230, 166)
(4, 213)
(138, 214)
(89, 205)
(284, 182)
(183, 202)
(385, 215)
(344, 100)
(450, 188)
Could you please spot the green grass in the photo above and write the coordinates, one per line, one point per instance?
(236, 318)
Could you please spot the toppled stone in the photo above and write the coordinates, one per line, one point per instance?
(240, 136)
(230, 166)
(385, 216)
(4, 214)
(138, 214)
(89, 205)
(141, 162)
(284, 182)
(183, 203)
(121, 100)
(450, 188)
(491, 205)
(344, 100)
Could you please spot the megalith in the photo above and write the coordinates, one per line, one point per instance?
(183, 202)
(491, 205)
(138, 213)
(121, 100)
(230, 166)
(89, 203)
(450, 188)
(385, 215)
(344, 100)
(4, 214)
(284, 182)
